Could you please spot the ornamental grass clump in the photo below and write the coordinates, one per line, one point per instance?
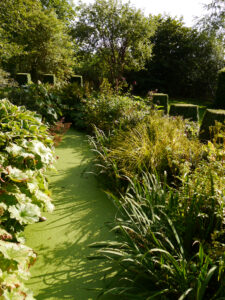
(159, 143)
(26, 153)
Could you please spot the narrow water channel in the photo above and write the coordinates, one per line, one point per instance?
(81, 214)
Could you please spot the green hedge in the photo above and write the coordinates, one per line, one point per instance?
(161, 100)
(23, 78)
(77, 78)
(209, 119)
(187, 111)
(49, 78)
(220, 93)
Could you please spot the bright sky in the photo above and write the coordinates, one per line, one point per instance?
(176, 8)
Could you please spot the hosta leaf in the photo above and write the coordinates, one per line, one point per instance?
(23, 255)
(25, 213)
(9, 280)
(27, 155)
(14, 288)
(17, 295)
(14, 149)
(18, 151)
(32, 186)
(40, 149)
(49, 206)
(17, 175)
(42, 197)
(22, 198)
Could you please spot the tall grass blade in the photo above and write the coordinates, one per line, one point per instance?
(204, 283)
(185, 294)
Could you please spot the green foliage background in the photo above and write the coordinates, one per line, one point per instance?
(34, 40)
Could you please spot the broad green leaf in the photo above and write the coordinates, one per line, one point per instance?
(25, 213)
(14, 149)
(44, 152)
(17, 252)
(43, 197)
(17, 175)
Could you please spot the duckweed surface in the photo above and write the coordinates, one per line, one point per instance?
(82, 211)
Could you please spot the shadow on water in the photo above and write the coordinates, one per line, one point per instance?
(82, 215)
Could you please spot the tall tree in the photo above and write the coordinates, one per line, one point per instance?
(113, 37)
(38, 36)
(184, 63)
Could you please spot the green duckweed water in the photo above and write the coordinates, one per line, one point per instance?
(82, 210)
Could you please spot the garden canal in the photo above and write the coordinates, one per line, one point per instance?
(82, 211)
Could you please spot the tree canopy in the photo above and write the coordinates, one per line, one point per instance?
(110, 38)
(184, 63)
(113, 36)
(63, 9)
(33, 39)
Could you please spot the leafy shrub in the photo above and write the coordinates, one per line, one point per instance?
(187, 111)
(26, 154)
(161, 100)
(209, 119)
(40, 98)
(84, 107)
(202, 198)
(114, 111)
(23, 78)
(220, 92)
(71, 96)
